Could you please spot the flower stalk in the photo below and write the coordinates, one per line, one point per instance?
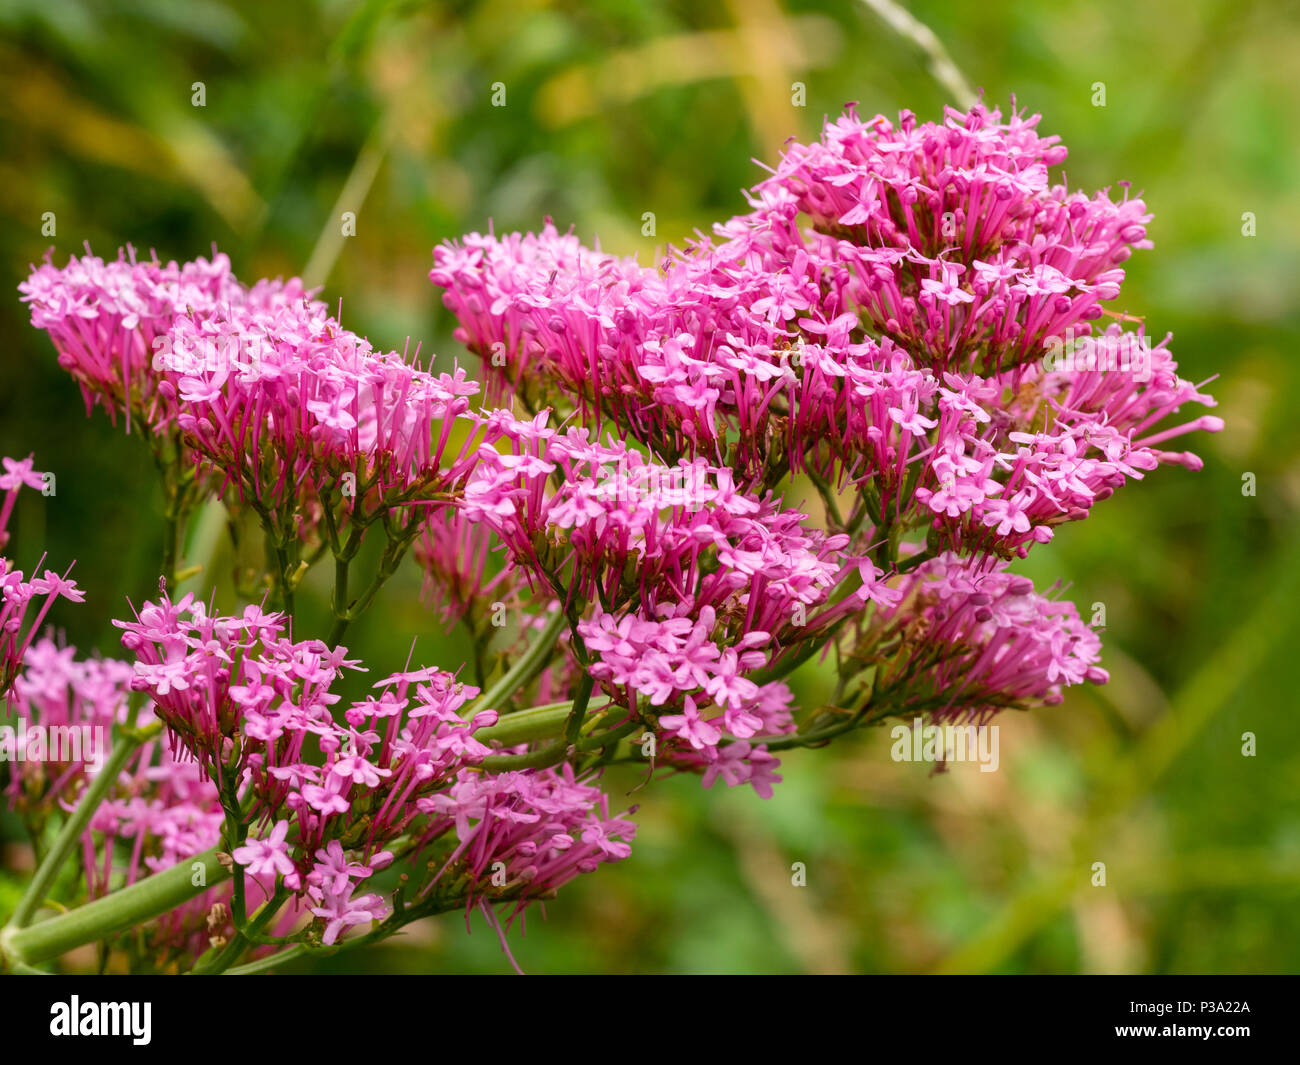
(140, 902)
(128, 743)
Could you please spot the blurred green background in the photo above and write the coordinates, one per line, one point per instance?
(614, 109)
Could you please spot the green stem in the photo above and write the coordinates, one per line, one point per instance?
(269, 962)
(524, 726)
(398, 540)
(807, 739)
(246, 936)
(788, 664)
(555, 753)
(828, 498)
(919, 559)
(170, 532)
(70, 835)
(142, 901)
(339, 604)
(531, 663)
(573, 724)
(284, 578)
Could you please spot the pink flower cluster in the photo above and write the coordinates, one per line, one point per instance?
(254, 709)
(620, 527)
(285, 404)
(695, 582)
(883, 321)
(16, 592)
(676, 663)
(269, 398)
(874, 348)
(163, 809)
(56, 691)
(972, 643)
(111, 322)
(951, 238)
(525, 833)
(455, 553)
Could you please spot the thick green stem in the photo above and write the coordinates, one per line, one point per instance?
(170, 532)
(531, 663)
(123, 909)
(524, 726)
(284, 577)
(573, 724)
(339, 603)
(72, 829)
(555, 753)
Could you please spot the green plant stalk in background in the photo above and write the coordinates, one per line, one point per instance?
(95, 921)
